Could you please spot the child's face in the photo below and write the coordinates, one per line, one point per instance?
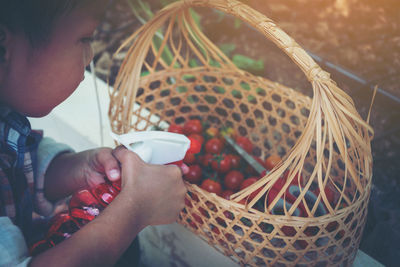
(42, 77)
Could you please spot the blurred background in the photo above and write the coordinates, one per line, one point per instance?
(357, 41)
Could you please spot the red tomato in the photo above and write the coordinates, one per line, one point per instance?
(245, 143)
(235, 161)
(272, 161)
(263, 174)
(279, 184)
(247, 182)
(227, 194)
(198, 137)
(197, 218)
(195, 146)
(204, 212)
(188, 203)
(233, 180)
(192, 126)
(211, 186)
(175, 128)
(221, 164)
(215, 230)
(214, 146)
(207, 159)
(194, 174)
(189, 158)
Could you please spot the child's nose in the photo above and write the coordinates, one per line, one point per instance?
(88, 55)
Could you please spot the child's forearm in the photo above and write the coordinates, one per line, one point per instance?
(61, 179)
(102, 241)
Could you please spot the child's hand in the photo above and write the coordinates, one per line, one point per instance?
(100, 165)
(157, 191)
(71, 172)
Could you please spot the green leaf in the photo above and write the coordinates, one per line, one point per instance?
(237, 23)
(193, 63)
(181, 89)
(214, 63)
(146, 8)
(219, 89)
(236, 93)
(227, 48)
(144, 73)
(245, 86)
(247, 63)
(190, 99)
(196, 17)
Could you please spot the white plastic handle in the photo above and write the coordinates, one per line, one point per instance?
(155, 147)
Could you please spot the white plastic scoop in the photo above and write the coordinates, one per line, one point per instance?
(155, 147)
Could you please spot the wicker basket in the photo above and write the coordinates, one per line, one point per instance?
(322, 138)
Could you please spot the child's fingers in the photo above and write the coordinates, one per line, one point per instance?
(126, 158)
(184, 168)
(110, 164)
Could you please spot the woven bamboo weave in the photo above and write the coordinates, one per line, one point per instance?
(324, 139)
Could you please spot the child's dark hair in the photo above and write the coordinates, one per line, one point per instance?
(36, 17)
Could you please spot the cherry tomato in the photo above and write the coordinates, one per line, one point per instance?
(233, 180)
(211, 186)
(214, 146)
(194, 174)
(245, 143)
(175, 128)
(197, 218)
(215, 230)
(235, 161)
(198, 137)
(227, 194)
(188, 203)
(221, 164)
(195, 146)
(189, 158)
(247, 182)
(272, 161)
(192, 126)
(207, 159)
(263, 173)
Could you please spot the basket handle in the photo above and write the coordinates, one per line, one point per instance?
(329, 102)
(269, 29)
(333, 118)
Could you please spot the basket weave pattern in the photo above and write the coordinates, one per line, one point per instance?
(322, 138)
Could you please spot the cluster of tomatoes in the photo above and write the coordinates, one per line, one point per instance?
(84, 206)
(217, 168)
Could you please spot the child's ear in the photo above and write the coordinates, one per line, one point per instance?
(5, 36)
(6, 41)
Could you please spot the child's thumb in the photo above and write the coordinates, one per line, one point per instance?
(111, 167)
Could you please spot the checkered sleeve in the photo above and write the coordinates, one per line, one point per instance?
(48, 149)
(13, 249)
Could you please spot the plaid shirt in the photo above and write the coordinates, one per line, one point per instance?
(24, 158)
(18, 147)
